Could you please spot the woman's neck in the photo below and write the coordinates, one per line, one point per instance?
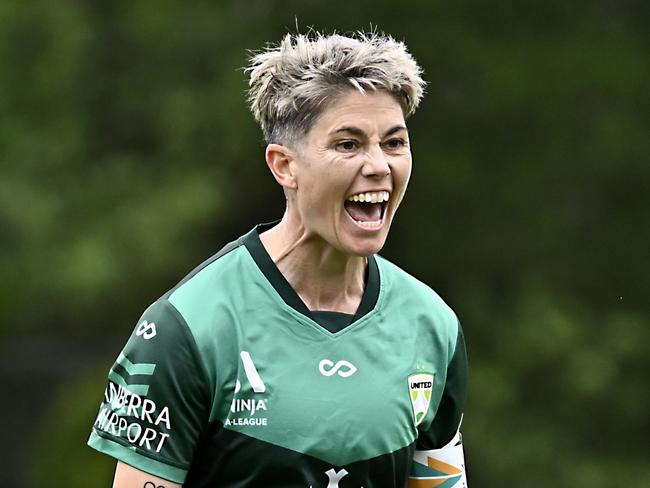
(322, 276)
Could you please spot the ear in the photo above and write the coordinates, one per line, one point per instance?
(279, 159)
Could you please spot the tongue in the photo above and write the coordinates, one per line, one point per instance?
(364, 212)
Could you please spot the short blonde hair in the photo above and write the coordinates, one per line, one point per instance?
(293, 82)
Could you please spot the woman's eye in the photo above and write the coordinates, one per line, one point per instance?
(346, 145)
(396, 143)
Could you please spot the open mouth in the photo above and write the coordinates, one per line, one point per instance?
(367, 209)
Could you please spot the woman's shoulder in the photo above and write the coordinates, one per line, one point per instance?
(193, 300)
(412, 292)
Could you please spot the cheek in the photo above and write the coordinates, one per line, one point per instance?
(402, 174)
(407, 177)
(315, 199)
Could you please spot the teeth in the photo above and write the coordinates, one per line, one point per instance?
(371, 197)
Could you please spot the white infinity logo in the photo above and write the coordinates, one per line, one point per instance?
(333, 369)
(146, 329)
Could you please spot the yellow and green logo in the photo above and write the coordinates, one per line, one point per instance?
(420, 387)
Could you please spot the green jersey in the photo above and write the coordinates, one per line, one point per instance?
(228, 380)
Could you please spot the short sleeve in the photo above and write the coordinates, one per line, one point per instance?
(439, 459)
(157, 400)
(447, 420)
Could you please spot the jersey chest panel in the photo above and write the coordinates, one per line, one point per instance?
(338, 397)
(282, 379)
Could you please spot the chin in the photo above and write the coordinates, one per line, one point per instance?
(364, 247)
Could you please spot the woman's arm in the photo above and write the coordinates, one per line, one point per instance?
(129, 477)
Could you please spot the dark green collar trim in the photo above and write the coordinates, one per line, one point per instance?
(254, 245)
(332, 321)
(267, 266)
(371, 293)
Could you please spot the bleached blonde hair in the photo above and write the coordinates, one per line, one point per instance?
(293, 82)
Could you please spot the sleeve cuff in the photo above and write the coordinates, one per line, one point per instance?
(129, 456)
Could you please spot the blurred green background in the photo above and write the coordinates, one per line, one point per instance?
(128, 155)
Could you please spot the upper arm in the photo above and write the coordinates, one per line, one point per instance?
(446, 423)
(129, 477)
(439, 450)
(157, 402)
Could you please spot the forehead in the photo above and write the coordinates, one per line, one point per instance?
(371, 112)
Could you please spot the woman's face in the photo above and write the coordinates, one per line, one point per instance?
(351, 172)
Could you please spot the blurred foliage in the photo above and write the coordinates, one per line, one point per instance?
(63, 459)
(558, 396)
(127, 155)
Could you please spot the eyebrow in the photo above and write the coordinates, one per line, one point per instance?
(358, 132)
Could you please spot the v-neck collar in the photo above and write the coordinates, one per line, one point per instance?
(261, 257)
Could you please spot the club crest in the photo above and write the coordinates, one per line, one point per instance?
(420, 386)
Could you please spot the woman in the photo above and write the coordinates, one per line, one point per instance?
(296, 356)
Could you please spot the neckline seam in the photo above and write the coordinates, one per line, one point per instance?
(291, 300)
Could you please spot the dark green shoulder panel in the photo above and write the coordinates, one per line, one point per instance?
(157, 399)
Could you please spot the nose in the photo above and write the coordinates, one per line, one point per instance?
(376, 163)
